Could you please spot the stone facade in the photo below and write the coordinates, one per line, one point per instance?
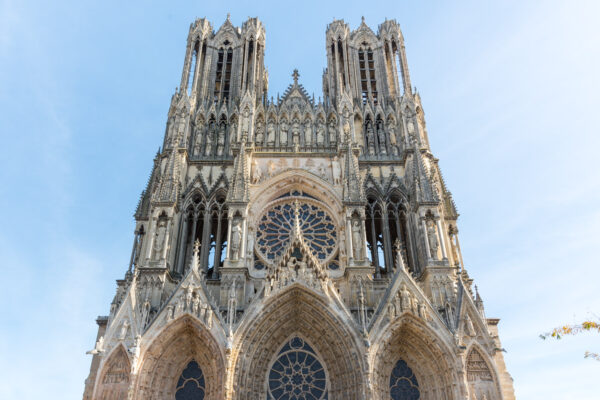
(296, 248)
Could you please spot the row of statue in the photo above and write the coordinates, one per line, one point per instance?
(301, 133)
(213, 139)
(191, 303)
(404, 301)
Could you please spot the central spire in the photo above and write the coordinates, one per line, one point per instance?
(295, 75)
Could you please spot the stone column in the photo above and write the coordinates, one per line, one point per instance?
(218, 249)
(442, 238)
(182, 243)
(205, 239)
(426, 238)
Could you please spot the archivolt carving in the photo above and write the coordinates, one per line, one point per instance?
(431, 360)
(181, 342)
(296, 311)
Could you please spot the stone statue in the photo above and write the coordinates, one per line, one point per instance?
(236, 238)
(270, 134)
(259, 133)
(332, 132)
(393, 139)
(295, 132)
(357, 244)
(98, 348)
(346, 129)
(336, 171)
(370, 138)
(221, 140)
(320, 134)
(381, 138)
(246, 123)
(159, 238)
(283, 133)
(209, 140)
(135, 352)
(145, 313)
(256, 174)
(123, 330)
(432, 238)
(469, 328)
(232, 133)
(195, 305)
(406, 301)
(197, 145)
(271, 168)
(410, 128)
(308, 133)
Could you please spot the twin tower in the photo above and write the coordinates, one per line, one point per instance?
(296, 249)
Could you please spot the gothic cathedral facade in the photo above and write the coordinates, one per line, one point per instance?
(293, 248)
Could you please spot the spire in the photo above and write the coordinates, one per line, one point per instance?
(239, 185)
(295, 75)
(169, 181)
(479, 303)
(422, 186)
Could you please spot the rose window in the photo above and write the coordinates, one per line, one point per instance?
(276, 229)
(297, 374)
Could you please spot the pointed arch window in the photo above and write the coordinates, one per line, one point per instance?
(191, 384)
(375, 235)
(403, 383)
(363, 76)
(223, 73)
(206, 222)
(398, 229)
(297, 374)
(368, 81)
(192, 69)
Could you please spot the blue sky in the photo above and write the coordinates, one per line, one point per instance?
(510, 91)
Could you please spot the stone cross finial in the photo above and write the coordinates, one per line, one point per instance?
(295, 75)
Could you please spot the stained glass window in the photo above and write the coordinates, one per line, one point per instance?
(275, 229)
(403, 383)
(191, 383)
(297, 374)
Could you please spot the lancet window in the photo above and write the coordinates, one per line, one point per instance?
(191, 384)
(403, 383)
(223, 73)
(297, 374)
(375, 235)
(207, 223)
(390, 67)
(396, 59)
(196, 66)
(387, 232)
(368, 79)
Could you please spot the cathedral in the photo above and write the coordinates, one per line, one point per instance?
(293, 248)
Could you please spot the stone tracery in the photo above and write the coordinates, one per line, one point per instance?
(294, 221)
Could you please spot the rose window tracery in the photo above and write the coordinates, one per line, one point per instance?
(297, 374)
(276, 228)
